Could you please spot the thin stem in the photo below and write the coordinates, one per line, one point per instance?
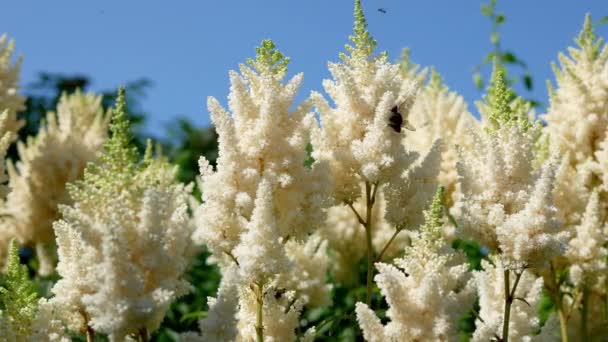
(350, 205)
(507, 313)
(397, 231)
(259, 325)
(584, 312)
(554, 290)
(509, 297)
(369, 199)
(143, 335)
(90, 334)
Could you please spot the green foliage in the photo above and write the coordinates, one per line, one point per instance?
(18, 297)
(269, 60)
(500, 56)
(187, 144)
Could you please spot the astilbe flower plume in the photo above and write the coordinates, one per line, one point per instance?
(505, 201)
(577, 126)
(262, 195)
(124, 243)
(6, 137)
(58, 154)
(10, 99)
(439, 113)
(355, 136)
(428, 290)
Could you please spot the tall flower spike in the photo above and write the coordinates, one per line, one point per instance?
(124, 243)
(497, 205)
(10, 99)
(577, 117)
(262, 194)
(269, 60)
(364, 43)
(500, 107)
(58, 154)
(428, 290)
(357, 137)
(439, 113)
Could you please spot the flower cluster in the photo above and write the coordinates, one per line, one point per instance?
(123, 244)
(57, 155)
(381, 190)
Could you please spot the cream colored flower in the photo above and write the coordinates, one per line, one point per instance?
(71, 138)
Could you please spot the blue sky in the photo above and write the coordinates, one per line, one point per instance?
(187, 47)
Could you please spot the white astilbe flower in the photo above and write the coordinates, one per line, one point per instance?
(587, 252)
(263, 195)
(439, 113)
(220, 323)
(47, 327)
(524, 323)
(262, 140)
(58, 154)
(123, 243)
(428, 291)
(408, 194)
(577, 118)
(505, 202)
(261, 253)
(307, 273)
(495, 177)
(570, 194)
(531, 237)
(355, 136)
(10, 99)
(281, 312)
(6, 233)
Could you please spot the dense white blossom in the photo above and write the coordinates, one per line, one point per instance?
(505, 202)
(262, 202)
(409, 193)
(123, 244)
(307, 273)
(577, 118)
(355, 135)
(262, 141)
(587, 251)
(439, 113)
(427, 291)
(10, 99)
(58, 154)
(220, 323)
(524, 323)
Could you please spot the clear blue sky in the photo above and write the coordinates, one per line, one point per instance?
(187, 47)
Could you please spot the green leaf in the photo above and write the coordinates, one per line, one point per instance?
(500, 19)
(477, 80)
(527, 79)
(494, 38)
(602, 21)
